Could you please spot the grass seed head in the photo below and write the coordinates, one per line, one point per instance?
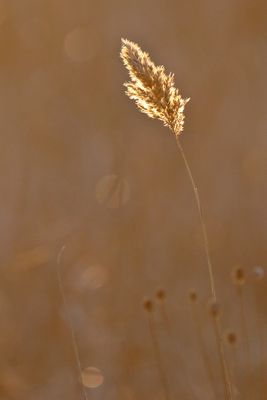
(238, 276)
(148, 305)
(160, 294)
(152, 89)
(231, 338)
(214, 308)
(193, 296)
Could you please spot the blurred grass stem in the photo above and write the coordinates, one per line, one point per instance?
(158, 357)
(202, 347)
(69, 322)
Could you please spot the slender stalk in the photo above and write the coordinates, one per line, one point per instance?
(225, 367)
(158, 357)
(262, 364)
(203, 226)
(202, 348)
(244, 324)
(232, 366)
(70, 324)
(168, 326)
(165, 317)
(262, 335)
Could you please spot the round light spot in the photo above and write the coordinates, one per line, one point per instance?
(92, 377)
(78, 44)
(112, 191)
(92, 277)
(258, 272)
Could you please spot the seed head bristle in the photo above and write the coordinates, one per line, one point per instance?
(152, 89)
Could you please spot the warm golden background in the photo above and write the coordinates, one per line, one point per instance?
(88, 181)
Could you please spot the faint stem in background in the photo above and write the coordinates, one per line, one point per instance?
(69, 322)
(261, 327)
(231, 341)
(215, 315)
(161, 299)
(239, 279)
(240, 295)
(148, 307)
(202, 348)
(262, 333)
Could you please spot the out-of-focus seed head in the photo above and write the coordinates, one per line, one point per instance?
(238, 276)
(230, 338)
(160, 294)
(148, 305)
(193, 296)
(214, 308)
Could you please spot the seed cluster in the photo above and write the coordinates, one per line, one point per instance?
(152, 89)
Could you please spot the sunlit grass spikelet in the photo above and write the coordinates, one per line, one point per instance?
(152, 89)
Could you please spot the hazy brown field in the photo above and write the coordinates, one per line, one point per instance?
(95, 200)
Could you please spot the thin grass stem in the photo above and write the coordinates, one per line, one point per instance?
(167, 321)
(70, 324)
(203, 225)
(202, 347)
(215, 315)
(148, 306)
(158, 357)
(224, 364)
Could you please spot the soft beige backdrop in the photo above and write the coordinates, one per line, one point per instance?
(88, 181)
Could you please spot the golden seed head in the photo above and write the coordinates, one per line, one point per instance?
(214, 308)
(161, 294)
(152, 90)
(193, 296)
(238, 276)
(148, 305)
(231, 338)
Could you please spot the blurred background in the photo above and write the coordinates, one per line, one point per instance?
(95, 193)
